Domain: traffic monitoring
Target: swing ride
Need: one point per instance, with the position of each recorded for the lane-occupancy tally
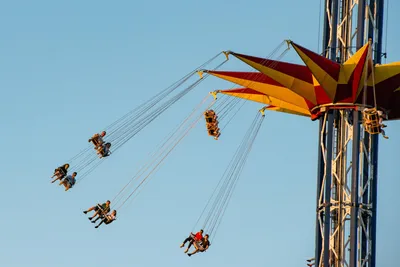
(335, 89)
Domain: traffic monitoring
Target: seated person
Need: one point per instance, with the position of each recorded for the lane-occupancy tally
(213, 131)
(69, 181)
(97, 139)
(202, 246)
(104, 150)
(99, 210)
(209, 112)
(60, 172)
(210, 116)
(107, 219)
(192, 238)
(382, 116)
(383, 133)
(212, 125)
(371, 124)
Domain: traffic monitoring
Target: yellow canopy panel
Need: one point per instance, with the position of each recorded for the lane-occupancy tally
(275, 104)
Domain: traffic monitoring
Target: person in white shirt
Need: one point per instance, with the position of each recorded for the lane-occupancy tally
(109, 218)
(69, 181)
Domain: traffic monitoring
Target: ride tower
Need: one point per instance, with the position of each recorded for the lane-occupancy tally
(347, 155)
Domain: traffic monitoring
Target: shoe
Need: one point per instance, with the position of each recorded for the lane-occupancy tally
(186, 250)
(93, 221)
(96, 226)
(189, 254)
(90, 218)
(85, 212)
(182, 245)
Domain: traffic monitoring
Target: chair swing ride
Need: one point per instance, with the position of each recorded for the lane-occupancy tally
(307, 90)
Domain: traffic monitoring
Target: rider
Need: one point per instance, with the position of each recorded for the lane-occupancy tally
(104, 150)
(60, 172)
(99, 210)
(369, 123)
(69, 181)
(203, 246)
(192, 238)
(382, 116)
(97, 139)
(108, 218)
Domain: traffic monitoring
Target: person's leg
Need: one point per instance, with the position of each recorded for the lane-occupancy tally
(96, 219)
(190, 244)
(57, 178)
(55, 174)
(194, 252)
(90, 209)
(97, 226)
(94, 215)
(67, 186)
(384, 135)
(186, 240)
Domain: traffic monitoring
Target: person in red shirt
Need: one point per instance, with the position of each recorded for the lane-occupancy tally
(193, 238)
(202, 246)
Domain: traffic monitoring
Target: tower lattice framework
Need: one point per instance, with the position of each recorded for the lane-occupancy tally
(347, 155)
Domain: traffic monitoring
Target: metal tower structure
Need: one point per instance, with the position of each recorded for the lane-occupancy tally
(348, 156)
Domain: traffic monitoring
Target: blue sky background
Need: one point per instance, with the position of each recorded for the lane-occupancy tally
(70, 68)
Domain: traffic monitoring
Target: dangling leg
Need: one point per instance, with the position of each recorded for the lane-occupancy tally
(194, 252)
(90, 209)
(186, 240)
(99, 217)
(384, 135)
(57, 178)
(97, 226)
(190, 244)
(67, 186)
(94, 215)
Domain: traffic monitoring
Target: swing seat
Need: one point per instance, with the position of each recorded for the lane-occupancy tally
(213, 132)
(96, 140)
(210, 119)
(198, 246)
(371, 121)
(212, 125)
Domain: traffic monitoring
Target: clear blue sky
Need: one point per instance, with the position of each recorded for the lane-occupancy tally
(70, 68)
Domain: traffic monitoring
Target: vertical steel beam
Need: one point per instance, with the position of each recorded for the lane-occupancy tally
(328, 181)
(374, 194)
(335, 5)
(360, 23)
(380, 5)
(354, 227)
(354, 190)
(327, 30)
(365, 176)
(320, 178)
